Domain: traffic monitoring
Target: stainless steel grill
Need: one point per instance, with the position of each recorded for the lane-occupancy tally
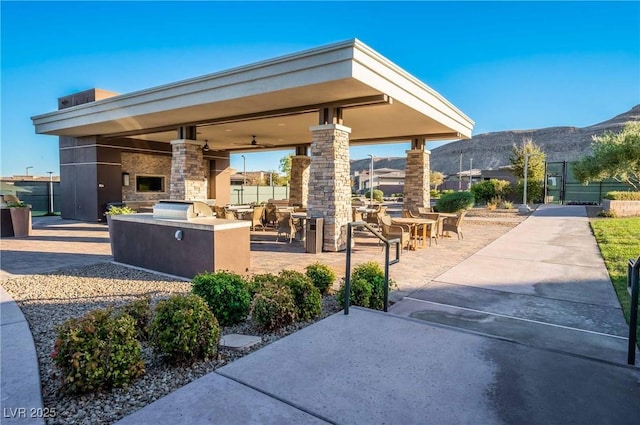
(181, 210)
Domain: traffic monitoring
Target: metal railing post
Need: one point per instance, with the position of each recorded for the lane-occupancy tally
(387, 263)
(633, 276)
(347, 275)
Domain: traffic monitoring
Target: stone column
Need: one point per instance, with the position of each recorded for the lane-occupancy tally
(330, 191)
(416, 181)
(187, 170)
(299, 184)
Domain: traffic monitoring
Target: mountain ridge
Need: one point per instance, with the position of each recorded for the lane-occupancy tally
(492, 150)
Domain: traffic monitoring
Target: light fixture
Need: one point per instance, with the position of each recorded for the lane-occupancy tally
(125, 179)
(205, 148)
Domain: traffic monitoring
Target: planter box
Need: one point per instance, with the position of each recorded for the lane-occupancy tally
(622, 208)
(21, 220)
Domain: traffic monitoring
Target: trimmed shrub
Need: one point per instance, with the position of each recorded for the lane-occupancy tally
(226, 293)
(377, 195)
(258, 282)
(322, 276)
(434, 193)
(273, 308)
(98, 351)
(454, 202)
(306, 297)
(372, 273)
(623, 196)
(360, 293)
(184, 329)
(487, 190)
(140, 312)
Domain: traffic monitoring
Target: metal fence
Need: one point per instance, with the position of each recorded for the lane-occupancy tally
(248, 194)
(38, 196)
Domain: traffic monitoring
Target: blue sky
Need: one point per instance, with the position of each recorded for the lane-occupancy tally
(507, 65)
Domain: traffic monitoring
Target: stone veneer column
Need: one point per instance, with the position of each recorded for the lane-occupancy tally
(416, 181)
(187, 170)
(330, 191)
(299, 185)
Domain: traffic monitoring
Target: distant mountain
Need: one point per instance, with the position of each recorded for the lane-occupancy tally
(492, 150)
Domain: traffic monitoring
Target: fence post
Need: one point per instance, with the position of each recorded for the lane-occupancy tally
(633, 276)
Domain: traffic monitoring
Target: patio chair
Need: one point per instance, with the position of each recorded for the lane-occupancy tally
(286, 225)
(454, 224)
(432, 229)
(270, 216)
(357, 215)
(424, 210)
(391, 231)
(229, 215)
(256, 217)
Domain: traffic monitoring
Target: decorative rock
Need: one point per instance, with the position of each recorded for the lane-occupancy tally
(238, 341)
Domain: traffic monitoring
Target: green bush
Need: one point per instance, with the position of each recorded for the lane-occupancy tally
(535, 189)
(447, 191)
(306, 297)
(377, 195)
(140, 312)
(113, 210)
(607, 214)
(258, 282)
(367, 286)
(322, 276)
(184, 329)
(434, 193)
(98, 351)
(226, 293)
(486, 190)
(454, 202)
(623, 196)
(360, 293)
(273, 307)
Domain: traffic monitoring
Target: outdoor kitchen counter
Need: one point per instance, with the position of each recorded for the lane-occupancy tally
(180, 247)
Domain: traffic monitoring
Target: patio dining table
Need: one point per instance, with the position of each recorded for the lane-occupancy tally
(414, 223)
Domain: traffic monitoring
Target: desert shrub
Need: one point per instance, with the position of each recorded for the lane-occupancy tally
(493, 204)
(507, 205)
(98, 351)
(226, 293)
(184, 329)
(447, 191)
(322, 276)
(115, 210)
(454, 202)
(434, 193)
(273, 307)
(360, 293)
(607, 214)
(258, 281)
(377, 195)
(623, 196)
(306, 297)
(486, 190)
(140, 312)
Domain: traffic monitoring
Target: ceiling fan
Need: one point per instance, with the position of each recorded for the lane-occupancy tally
(255, 143)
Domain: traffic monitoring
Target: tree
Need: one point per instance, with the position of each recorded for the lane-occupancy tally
(535, 163)
(436, 178)
(285, 166)
(615, 156)
(535, 158)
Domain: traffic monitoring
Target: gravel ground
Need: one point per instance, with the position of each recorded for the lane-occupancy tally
(51, 299)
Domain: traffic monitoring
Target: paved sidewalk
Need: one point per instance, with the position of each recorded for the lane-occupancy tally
(374, 368)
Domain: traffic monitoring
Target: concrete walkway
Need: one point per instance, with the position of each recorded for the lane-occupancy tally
(526, 331)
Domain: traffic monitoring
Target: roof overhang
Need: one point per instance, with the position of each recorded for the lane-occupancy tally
(277, 100)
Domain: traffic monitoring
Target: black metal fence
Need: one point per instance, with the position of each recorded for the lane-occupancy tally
(39, 196)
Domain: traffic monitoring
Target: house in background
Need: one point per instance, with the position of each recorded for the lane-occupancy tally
(388, 180)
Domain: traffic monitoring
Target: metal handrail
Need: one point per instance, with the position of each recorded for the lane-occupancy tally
(633, 278)
(387, 263)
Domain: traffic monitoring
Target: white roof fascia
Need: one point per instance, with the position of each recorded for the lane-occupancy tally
(324, 64)
(383, 75)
